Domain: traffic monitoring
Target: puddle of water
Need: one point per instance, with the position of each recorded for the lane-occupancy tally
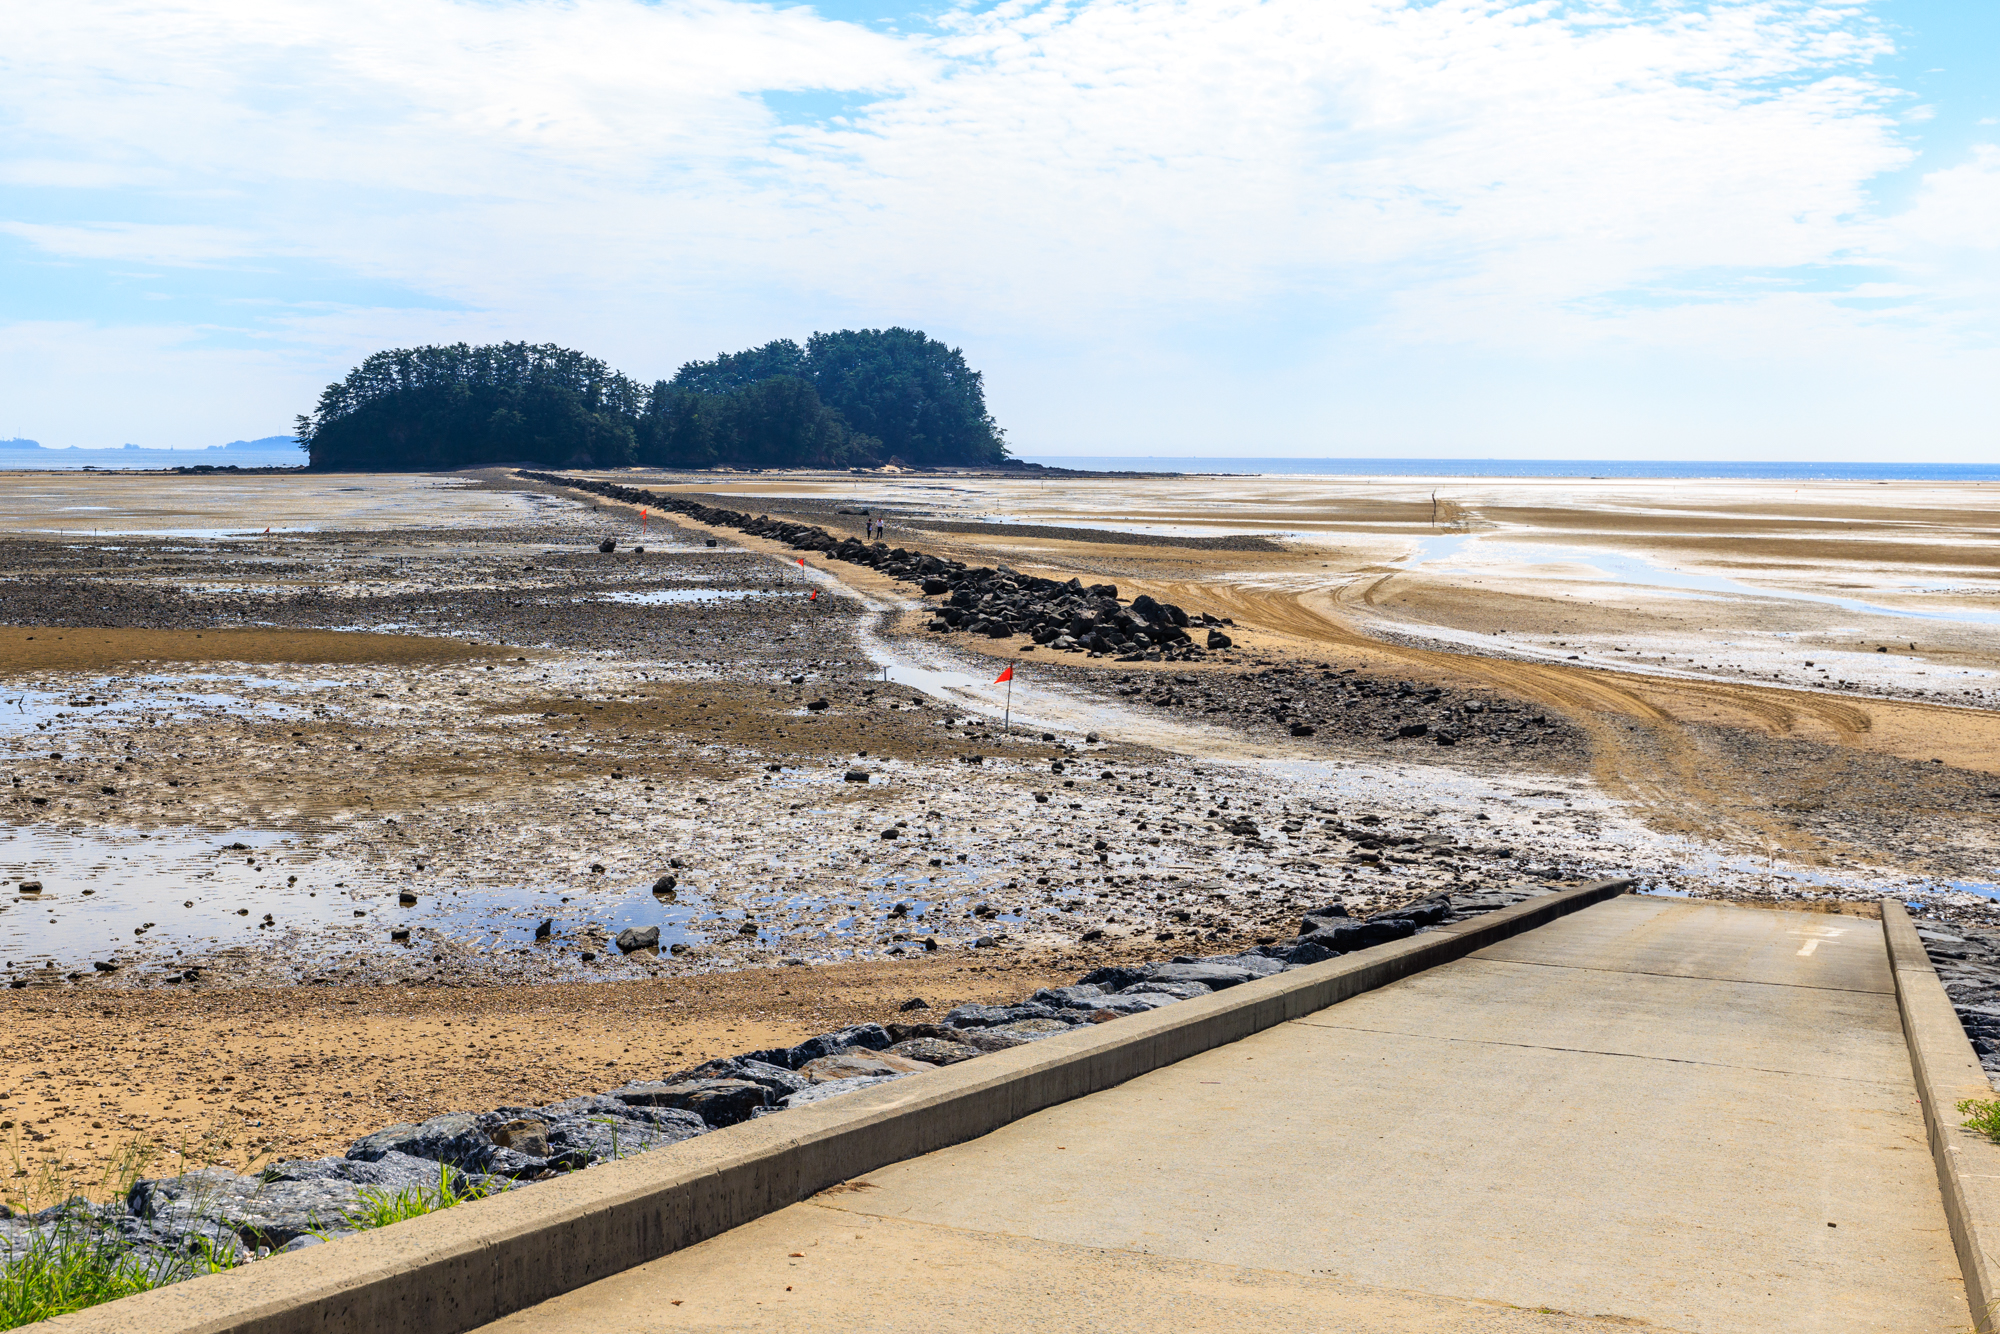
(198, 534)
(659, 596)
(1642, 573)
(160, 696)
(186, 891)
(104, 896)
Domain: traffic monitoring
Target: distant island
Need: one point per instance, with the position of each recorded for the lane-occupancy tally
(856, 398)
(272, 451)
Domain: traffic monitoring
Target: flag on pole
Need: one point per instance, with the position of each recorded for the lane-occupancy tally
(813, 596)
(802, 562)
(1007, 675)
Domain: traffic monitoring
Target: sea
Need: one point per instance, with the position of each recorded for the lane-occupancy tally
(269, 454)
(1772, 470)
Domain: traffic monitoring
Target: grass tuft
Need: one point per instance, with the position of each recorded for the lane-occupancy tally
(379, 1208)
(1983, 1115)
(72, 1268)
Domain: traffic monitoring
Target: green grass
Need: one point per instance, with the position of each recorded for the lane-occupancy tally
(379, 1208)
(1982, 1115)
(72, 1269)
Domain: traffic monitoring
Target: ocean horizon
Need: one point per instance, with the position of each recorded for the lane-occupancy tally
(1687, 469)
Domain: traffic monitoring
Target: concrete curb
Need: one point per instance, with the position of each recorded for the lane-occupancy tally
(1947, 1070)
(465, 1267)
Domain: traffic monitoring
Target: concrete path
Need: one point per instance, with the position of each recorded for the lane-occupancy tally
(1652, 1114)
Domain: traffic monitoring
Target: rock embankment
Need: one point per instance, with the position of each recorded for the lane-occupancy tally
(1312, 699)
(180, 1224)
(994, 601)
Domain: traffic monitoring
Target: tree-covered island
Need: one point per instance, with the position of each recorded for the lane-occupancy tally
(856, 398)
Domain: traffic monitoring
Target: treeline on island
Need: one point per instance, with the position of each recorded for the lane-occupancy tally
(856, 398)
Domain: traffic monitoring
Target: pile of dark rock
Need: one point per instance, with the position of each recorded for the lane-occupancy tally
(995, 601)
(180, 1223)
(1308, 698)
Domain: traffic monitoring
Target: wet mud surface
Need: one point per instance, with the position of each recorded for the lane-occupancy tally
(434, 769)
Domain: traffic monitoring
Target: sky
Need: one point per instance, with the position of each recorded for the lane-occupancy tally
(1740, 229)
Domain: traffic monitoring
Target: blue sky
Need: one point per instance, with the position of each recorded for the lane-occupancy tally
(1735, 229)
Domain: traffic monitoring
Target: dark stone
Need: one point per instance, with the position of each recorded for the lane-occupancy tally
(454, 1138)
(607, 546)
(991, 1016)
(1345, 937)
(664, 887)
(816, 705)
(718, 1102)
(857, 776)
(874, 1037)
(258, 1212)
(934, 1051)
(1216, 639)
(914, 1003)
(638, 938)
(1413, 729)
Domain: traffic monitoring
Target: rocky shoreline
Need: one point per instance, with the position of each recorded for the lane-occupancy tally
(190, 1222)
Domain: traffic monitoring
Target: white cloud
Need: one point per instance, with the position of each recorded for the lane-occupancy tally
(1464, 177)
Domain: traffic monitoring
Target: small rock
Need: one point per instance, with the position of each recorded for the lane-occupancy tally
(607, 546)
(857, 776)
(545, 928)
(1216, 639)
(817, 705)
(400, 933)
(407, 897)
(31, 886)
(523, 1136)
(664, 887)
(638, 938)
(914, 1003)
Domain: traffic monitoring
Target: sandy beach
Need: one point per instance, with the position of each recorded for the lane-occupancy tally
(425, 748)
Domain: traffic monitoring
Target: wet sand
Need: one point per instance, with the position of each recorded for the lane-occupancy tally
(434, 716)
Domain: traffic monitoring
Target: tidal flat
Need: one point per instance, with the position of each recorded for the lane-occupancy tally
(313, 829)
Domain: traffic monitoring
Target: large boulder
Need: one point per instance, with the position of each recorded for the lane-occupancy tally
(198, 1205)
(934, 1051)
(856, 1065)
(1344, 937)
(455, 1138)
(718, 1102)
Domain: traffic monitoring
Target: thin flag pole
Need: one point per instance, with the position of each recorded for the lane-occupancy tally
(1007, 718)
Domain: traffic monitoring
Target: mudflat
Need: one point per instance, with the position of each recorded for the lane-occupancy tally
(425, 747)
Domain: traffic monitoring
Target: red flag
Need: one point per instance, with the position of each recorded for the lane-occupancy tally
(813, 596)
(1007, 675)
(802, 562)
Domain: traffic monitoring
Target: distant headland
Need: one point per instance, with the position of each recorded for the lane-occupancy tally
(855, 398)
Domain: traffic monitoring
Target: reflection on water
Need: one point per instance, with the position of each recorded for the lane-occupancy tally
(1638, 572)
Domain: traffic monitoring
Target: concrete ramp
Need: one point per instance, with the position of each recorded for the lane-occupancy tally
(1649, 1114)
